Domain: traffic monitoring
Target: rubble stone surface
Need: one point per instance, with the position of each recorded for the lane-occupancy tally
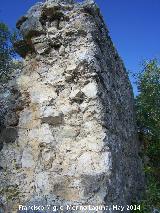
(68, 134)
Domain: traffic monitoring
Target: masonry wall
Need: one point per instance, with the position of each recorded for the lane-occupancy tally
(68, 134)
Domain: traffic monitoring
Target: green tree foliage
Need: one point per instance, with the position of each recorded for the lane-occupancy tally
(148, 120)
(7, 53)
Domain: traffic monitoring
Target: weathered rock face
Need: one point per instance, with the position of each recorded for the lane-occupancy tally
(68, 135)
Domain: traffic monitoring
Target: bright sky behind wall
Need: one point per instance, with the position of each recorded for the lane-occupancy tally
(133, 25)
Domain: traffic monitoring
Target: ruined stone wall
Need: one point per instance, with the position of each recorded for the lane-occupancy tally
(68, 132)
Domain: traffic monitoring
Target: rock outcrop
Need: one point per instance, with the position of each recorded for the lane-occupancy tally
(68, 134)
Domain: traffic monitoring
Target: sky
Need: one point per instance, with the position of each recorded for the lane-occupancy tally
(133, 26)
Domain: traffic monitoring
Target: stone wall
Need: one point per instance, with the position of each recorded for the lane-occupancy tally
(68, 134)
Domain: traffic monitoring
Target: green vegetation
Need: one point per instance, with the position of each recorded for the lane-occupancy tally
(148, 120)
(7, 53)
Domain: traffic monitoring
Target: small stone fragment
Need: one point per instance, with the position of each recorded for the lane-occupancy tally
(90, 90)
(31, 27)
(52, 117)
(76, 95)
(27, 159)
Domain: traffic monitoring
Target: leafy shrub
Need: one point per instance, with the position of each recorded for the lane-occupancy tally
(7, 53)
(148, 120)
